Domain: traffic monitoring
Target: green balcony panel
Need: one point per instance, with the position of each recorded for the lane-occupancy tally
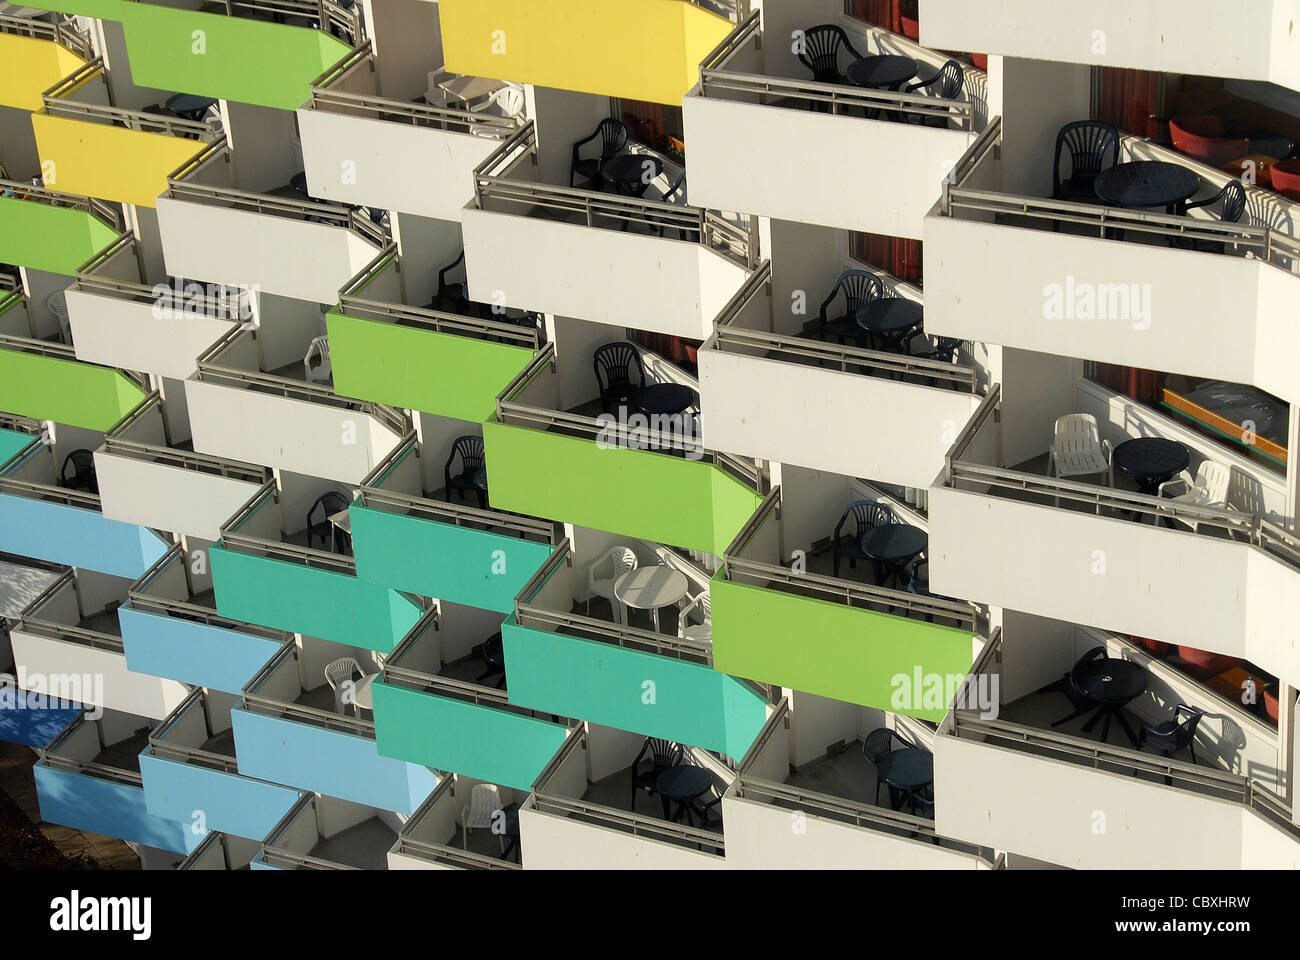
(834, 650)
(45, 237)
(642, 692)
(476, 741)
(420, 369)
(636, 493)
(65, 391)
(309, 600)
(99, 9)
(11, 441)
(235, 58)
(473, 567)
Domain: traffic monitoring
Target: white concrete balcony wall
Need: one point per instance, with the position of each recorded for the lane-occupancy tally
(1199, 37)
(392, 166)
(280, 254)
(315, 439)
(992, 283)
(553, 842)
(166, 497)
(646, 282)
(132, 335)
(814, 417)
(872, 176)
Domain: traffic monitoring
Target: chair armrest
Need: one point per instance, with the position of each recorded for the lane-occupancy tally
(1184, 479)
(821, 314)
(1203, 203)
(838, 526)
(1107, 449)
(686, 610)
(926, 84)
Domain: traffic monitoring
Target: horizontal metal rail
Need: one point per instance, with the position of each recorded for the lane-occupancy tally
(182, 610)
(60, 33)
(89, 768)
(57, 104)
(45, 491)
(461, 690)
(440, 853)
(289, 552)
(437, 321)
(614, 634)
(70, 634)
(60, 351)
(634, 823)
(457, 514)
(282, 709)
(198, 462)
(288, 860)
(22, 190)
(842, 98)
(326, 13)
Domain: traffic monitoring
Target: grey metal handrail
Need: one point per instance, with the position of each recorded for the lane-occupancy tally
(227, 305)
(440, 853)
(60, 32)
(57, 104)
(138, 598)
(110, 215)
(990, 406)
(457, 514)
(257, 703)
(634, 823)
(326, 12)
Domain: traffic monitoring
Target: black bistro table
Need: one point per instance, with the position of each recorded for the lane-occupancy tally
(907, 771)
(510, 814)
(682, 784)
(662, 399)
(890, 318)
(895, 545)
(881, 72)
(189, 105)
(1112, 683)
(632, 173)
(1150, 460)
(1147, 183)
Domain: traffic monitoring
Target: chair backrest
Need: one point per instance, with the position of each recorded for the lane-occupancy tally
(1093, 146)
(318, 349)
(877, 743)
(859, 286)
(470, 450)
(865, 515)
(484, 801)
(623, 560)
(1233, 196)
(666, 753)
(1077, 440)
(330, 502)
(821, 49)
(509, 100)
(83, 465)
(1212, 480)
(615, 363)
(612, 135)
(341, 670)
(949, 80)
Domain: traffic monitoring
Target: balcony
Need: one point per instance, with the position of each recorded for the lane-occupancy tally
(655, 481)
(288, 729)
(171, 628)
(807, 629)
(1215, 578)
(430, 709)
(1098, 805)
(281, 242)
(414, 157)
(647, 51)
(44, 381)
(89, 778)
(420, 357)
(324, 833)
(253, 399)
(434, 839)
(39, 517)
(928, 400)
(1195, 38)
(576, 817)
(248, 56)
(70, 636)
(523, 236)
(191, 774)
(37, 55)
(634, 678)
(870, 160)
(221, 851)
(51, 231)
(265, 575)
(1051, 276)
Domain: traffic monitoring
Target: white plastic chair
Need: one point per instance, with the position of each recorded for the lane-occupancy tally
(484, 801)
(509, 102)
(702, 631)
(323, 372)
(1208, 489)
(58, 304)
(1077, 449)
(337, 674)
(618, 561)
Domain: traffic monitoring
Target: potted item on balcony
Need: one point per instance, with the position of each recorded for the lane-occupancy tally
(1157, 647)
(1270, 704)
(1203, 663)
(980, 60)
(1285, 176)
(1198, 135)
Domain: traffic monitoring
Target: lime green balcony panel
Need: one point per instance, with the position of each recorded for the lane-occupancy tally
(45, 237)
(637, 493)
(65, 391)
(421, 369)
(235, 58)
(837, 651)
(461, 737)
(99, 9)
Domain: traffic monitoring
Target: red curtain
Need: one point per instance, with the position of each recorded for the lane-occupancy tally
(899, 256)
(1145, 386)
(645, 122)
(1130, 99)
(883, 13)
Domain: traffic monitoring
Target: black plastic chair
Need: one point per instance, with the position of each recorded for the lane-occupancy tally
(859, 287)
(1081, 702)
(453, 297)
(613, 138)
(665, 755)
(1093, 147)
(676, 193)
(865, 515)
(83, 472)
(472, 460)
(949, 82)
(875, 745)
(493, 653)
(620, 375)
(1170, 736)
(1233, 206)
(821, 52)
(330, 503)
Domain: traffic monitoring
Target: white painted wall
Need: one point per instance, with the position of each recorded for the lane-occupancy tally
(551, 842)
(166, 497)
(138, 336)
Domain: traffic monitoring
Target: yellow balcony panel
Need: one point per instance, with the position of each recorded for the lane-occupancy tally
(29, 66)
(637, 49)
(108, 161)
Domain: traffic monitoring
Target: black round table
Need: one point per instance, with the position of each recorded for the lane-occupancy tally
(1147, 183)
(511, 815)
(661, 399)
(632, 173)
(682, 784)
(191, 106)
(894, 545)
(892, 318)
(881, 71)
(1150, 460)
(906, 770)
(1111, 683)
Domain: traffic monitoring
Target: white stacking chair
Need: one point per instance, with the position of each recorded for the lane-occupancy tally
(484, 801)
(702, 631)
(508, 101)
(337, 674)
(604, 573)
(319, 350)
(1208, 489)
(1078, 450)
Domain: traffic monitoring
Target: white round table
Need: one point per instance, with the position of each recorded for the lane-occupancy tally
(649, 588)
(361, 695)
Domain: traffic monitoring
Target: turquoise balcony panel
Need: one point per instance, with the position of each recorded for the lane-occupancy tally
(203, 799)
(195, 653)
(477, 568)
(11, 441)
(309, 600)
(32, 719)
(645, 693)
(331, 762)
(89, 803)
(76, 536)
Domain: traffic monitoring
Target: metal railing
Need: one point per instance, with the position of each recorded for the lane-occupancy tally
(457, 514)
(111, 215)
(710, 844)
(440, 853)
(325, 13)
(493, 182)
(265, 706)
(114, 443)
(278, 549)
(101, 771)
(716, 78)
(284, 859)
(60, 32)
(228, 304)
(186, 754)
(138, 598)
(57, 104)
(401, 111)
